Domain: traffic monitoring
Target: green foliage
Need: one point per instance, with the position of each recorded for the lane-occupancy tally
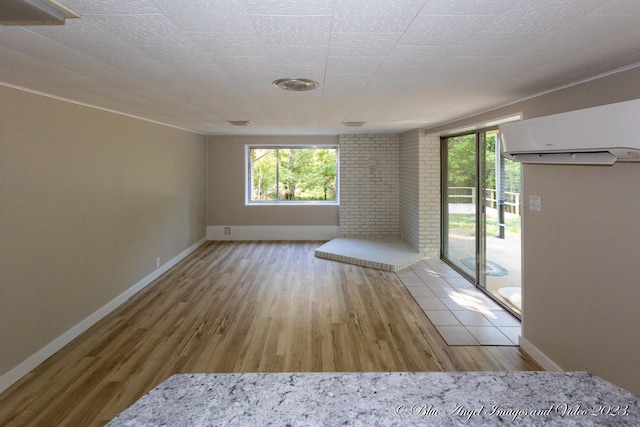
(263, 173)
(461, 172)
(511, 169)
(461, 163)
(293, 174)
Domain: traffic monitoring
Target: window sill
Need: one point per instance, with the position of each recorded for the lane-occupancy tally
(292, 203)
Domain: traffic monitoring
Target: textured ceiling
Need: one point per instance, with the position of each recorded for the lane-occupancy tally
(394, 64)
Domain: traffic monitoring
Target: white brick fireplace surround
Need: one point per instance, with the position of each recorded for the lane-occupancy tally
(390, 186)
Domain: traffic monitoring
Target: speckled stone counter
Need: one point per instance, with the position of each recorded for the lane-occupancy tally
(384, 399)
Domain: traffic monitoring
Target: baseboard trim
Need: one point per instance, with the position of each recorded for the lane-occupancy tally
(14, 375)
(273, 232)
(537, 355)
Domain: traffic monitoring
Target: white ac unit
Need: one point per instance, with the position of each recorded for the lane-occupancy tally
(599, 135)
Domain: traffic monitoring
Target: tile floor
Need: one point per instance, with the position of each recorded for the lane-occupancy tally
(462, 314)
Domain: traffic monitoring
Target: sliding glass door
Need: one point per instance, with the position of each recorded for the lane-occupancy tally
(502, 226)
(481, 215)
(460, 184)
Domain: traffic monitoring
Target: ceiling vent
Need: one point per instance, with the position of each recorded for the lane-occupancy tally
(353, 124)
(34, 12)
(296, 85)
(241, 122)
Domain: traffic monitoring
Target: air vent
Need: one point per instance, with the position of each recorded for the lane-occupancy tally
(353, 124)
(241, 122)
(296, 85)
(34, 12)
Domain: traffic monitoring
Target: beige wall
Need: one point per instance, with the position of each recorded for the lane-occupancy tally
(580, 289)
(88, 200)
(226, 186)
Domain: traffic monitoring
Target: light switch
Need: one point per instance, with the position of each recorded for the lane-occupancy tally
(535, 203)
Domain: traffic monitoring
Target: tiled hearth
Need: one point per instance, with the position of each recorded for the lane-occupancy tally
(385, 253)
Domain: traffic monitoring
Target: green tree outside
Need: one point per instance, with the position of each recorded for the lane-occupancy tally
(293, 174)
(462, 165)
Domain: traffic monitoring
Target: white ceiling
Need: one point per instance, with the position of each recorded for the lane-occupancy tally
(394, 64)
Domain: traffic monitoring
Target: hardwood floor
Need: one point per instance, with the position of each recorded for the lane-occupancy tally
(242, 307)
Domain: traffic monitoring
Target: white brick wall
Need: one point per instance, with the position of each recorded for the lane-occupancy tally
(410, 188)
(419, 202)
(399, 197)
(369, 196)
(430, 199)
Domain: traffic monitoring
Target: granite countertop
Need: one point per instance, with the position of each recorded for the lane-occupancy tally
(384, 399)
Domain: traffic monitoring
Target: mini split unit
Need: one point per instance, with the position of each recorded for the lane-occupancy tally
(34, 12)
(593, 136)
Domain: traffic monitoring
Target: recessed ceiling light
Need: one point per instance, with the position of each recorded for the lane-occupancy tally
(353, 124)
(295, 84)
(241, 122)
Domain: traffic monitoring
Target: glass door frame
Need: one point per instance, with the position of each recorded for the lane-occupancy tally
(444, 162)
(479, 280)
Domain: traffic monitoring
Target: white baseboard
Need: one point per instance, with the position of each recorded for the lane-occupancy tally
(11, 377)
(537, 355)
(267, 232)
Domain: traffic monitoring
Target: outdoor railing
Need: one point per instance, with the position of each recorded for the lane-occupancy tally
(468, 195)
(511, 201)
(462, 195)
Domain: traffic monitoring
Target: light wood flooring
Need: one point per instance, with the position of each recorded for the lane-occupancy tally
(242, 307)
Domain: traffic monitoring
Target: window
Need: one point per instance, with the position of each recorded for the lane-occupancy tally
(292, 174)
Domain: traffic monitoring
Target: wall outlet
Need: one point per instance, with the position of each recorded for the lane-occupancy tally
(157, 262)
(227, 231)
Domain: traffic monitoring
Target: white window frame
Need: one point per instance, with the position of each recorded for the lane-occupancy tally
(248, 183)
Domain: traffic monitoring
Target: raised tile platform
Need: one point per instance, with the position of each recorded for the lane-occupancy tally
(389, 399)
(385, 253)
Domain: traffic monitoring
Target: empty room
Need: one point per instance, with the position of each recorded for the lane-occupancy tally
(380, 212)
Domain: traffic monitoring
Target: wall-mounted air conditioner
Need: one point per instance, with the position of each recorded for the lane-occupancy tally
(599, 135)
(34, 12)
